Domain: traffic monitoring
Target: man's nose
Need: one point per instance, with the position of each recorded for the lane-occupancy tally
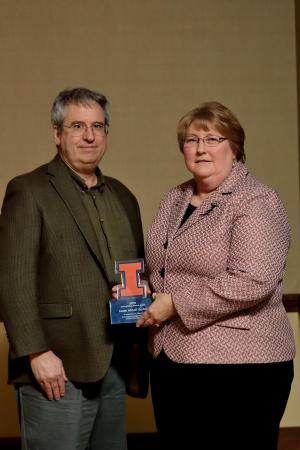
(88, 134)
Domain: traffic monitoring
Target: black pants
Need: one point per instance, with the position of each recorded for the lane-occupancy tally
(216, 406)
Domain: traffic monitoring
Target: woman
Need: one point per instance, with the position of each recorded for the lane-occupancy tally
(222, 344)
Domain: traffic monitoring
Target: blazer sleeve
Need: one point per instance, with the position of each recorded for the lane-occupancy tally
(20, 233)
(256, 261)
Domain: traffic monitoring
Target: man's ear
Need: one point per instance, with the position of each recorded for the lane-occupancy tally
(56, 135)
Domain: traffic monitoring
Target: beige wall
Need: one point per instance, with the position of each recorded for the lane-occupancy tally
(155, 60)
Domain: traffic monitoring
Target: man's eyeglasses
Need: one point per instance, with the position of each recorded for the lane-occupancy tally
(78, 128)
(210, 141)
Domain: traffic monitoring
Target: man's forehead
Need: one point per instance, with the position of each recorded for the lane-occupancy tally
(78, 110)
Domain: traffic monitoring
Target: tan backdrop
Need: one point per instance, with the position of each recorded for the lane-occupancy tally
(155, 60)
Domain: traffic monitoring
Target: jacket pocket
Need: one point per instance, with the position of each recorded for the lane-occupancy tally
(55, 310)
(241, 322)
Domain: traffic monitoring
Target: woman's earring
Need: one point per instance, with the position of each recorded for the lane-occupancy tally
(233, 163)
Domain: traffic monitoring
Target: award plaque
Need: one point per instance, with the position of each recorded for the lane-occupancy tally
(132, 298)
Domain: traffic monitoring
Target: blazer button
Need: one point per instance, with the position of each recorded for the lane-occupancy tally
(162, 272)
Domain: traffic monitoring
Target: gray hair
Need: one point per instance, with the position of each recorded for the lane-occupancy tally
(77, 96)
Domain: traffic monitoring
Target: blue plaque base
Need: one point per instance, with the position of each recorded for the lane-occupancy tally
(128, 310)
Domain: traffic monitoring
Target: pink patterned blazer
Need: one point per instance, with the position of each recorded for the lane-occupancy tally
(224, 269)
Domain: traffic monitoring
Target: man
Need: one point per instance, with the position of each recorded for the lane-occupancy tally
(61, 229)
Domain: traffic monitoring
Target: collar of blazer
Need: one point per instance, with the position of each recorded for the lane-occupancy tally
(64, 185)
(214, 200)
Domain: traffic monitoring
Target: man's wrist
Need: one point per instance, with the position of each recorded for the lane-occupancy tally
(31, 356)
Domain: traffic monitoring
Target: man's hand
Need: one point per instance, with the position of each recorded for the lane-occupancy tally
(49, 372)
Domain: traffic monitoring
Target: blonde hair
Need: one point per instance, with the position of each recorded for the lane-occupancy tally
(216, 115)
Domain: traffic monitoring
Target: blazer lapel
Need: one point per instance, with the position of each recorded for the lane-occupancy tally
(63, 184)
(178, 209)
(204, 210)
(214, 200)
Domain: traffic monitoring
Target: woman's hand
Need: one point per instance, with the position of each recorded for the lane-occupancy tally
(159, 311)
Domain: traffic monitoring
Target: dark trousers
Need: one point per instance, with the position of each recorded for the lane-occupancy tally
(216, 406)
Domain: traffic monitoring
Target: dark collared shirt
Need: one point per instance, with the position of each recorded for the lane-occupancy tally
(108, 219)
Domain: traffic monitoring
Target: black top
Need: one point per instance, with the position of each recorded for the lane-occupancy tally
(189, 211)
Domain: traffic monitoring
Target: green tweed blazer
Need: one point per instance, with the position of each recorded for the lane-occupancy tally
(54, 287)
